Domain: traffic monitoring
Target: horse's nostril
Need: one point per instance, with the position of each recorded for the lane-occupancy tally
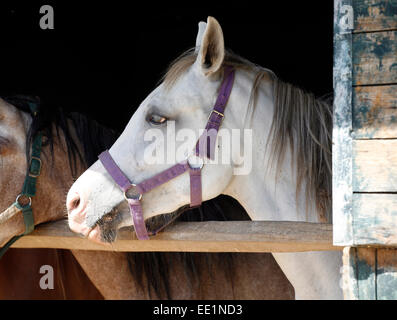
(73, 203)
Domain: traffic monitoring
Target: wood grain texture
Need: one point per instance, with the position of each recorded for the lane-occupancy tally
(375, 165)
(342, 125)
(375, 15)
(374, 58)
(370, 273)
(211, 236)
(375, 112)
(359, 273)
(349, 282)
(375, 219)
(386, 274)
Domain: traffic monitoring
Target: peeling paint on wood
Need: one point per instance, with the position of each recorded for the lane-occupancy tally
(365, 268)
(369, 273)
(365, 165)
(375, 219)
(375, 15)
(349, 277)
(375, 112)
(342, 125)
(375, 166)
(374, 58)
(386, 274)
(359, 273)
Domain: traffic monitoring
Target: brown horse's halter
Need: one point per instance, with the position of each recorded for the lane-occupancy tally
(205, 147)
(23, 202)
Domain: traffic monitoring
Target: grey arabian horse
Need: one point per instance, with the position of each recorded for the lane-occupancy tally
(289, 176)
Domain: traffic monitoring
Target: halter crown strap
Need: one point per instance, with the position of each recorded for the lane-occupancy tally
(29, 186)
(205, 146)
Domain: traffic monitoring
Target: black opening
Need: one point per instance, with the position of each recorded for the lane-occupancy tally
(103, 59)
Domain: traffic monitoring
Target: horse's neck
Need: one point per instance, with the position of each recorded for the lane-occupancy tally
(314, 275)
(264, 195)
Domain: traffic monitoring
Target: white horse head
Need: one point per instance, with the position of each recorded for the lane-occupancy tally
(183, 102)
(288, 131)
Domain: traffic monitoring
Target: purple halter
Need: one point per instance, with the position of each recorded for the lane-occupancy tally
(205, 147)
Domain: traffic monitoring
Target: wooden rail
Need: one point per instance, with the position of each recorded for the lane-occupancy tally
(210, 236)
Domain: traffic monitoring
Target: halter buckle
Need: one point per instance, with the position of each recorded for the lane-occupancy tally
(31, 174)
(217, 112)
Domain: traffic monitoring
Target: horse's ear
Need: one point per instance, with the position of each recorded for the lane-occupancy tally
(212, 48)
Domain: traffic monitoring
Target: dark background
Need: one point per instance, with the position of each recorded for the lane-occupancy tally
(103, 59)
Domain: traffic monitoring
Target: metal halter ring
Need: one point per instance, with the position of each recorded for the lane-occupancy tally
(130, 194)
(195, 162)
(24, 195)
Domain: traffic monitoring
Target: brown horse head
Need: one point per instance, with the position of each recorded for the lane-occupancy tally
(63, 138)
(14, 125)
(16, 133)
(63, 158)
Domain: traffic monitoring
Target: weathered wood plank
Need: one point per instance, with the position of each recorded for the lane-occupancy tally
(370, 273)
(359, 273)
(375, 112)
(375, 15)
(365, 267)
(374, 58)
(349, 274)
(386, 274)
(342, 123)
(211, 236)
(375, 165)
(375, 219)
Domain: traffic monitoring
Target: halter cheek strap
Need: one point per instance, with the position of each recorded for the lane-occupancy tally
(205, 147)
(28, 190)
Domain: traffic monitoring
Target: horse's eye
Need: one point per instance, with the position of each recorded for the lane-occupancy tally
(156, 119)
(3, 144)
(4, 141)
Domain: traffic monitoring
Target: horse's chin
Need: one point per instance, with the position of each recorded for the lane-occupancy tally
(4, 240)
(158, 222)
(118, 219)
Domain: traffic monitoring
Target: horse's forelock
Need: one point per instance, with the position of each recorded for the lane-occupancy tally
(178, 67)
(181, 64)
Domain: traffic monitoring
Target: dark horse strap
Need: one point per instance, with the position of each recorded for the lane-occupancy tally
(23, 201)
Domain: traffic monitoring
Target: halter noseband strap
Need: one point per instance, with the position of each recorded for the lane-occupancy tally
(205, 147)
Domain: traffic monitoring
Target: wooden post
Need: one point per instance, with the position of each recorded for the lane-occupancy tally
(370, 273)
(365, 146)
(342, 145)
